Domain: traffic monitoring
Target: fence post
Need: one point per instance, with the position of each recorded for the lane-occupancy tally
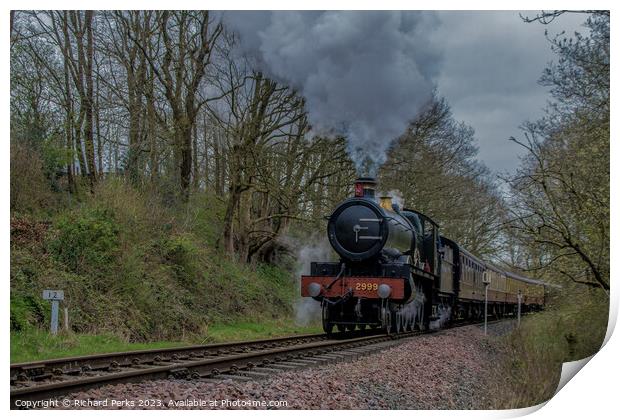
(519, 297)
(66, 320)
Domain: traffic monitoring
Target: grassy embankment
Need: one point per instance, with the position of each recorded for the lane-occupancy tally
(571, 328)
(138, 274)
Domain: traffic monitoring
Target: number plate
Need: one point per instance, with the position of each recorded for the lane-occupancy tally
(370, 287)
(53, 295)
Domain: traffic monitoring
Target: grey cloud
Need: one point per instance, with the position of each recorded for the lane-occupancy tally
(492, 64)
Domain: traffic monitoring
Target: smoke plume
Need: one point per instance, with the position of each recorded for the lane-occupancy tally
(364, 75)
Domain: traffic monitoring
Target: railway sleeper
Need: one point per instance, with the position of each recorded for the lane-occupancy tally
(285, 366)
(73, 372)
(291, 363)
(42, 377)
(257, 375)
(313, 360)
(330, 357)
(274, 369)
(348, 353)
(181, 373)
(234, 377)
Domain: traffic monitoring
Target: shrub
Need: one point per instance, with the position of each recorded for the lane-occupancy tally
(86, 239)
(180, 253)
(29, 188)
(571, 328)
(26, 311)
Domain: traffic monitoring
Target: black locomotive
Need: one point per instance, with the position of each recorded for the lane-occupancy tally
(397, 273)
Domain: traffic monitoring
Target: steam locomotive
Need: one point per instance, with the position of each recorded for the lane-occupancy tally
(397, 273)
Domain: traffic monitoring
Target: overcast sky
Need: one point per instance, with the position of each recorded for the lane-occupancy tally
(371, 72)
(491, 64)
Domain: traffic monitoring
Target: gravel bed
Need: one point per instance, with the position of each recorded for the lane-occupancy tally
(452, 369)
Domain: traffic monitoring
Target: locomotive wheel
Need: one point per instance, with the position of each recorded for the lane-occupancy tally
(341, 327)
(350, 327)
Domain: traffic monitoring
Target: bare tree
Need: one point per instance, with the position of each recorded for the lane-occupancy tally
(560, 196)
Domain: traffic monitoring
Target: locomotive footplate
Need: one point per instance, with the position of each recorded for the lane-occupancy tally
(357, 286)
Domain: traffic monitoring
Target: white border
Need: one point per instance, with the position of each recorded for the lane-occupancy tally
(592, 394)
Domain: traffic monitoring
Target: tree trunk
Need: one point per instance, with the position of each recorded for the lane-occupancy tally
(88, 100)
(217, 177)
(98, 132)
(195, 173)
(227, 234)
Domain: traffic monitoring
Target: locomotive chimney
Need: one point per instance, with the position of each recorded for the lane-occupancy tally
(365, 187)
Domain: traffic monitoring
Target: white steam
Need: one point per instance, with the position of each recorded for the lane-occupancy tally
(445, 313)
(413, 312)
(397, 198)
(308, 310)
(364, 75)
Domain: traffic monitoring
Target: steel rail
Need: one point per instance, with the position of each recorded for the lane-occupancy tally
(106, 360)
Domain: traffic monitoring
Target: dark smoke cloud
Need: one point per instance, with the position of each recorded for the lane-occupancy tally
(363, 74)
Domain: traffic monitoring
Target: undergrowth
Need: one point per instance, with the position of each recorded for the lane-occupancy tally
(137, 269)
(572, 327)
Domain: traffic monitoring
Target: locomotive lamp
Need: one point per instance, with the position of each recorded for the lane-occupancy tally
(314, 289)
(384, 291)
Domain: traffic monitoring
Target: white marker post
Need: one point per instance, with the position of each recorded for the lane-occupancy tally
(55, 296)
(487, 282)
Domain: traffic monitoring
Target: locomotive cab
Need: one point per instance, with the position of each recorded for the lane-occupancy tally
(429, 239)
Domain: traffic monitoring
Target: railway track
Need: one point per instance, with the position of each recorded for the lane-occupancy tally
(37, 371)
(48, 379)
